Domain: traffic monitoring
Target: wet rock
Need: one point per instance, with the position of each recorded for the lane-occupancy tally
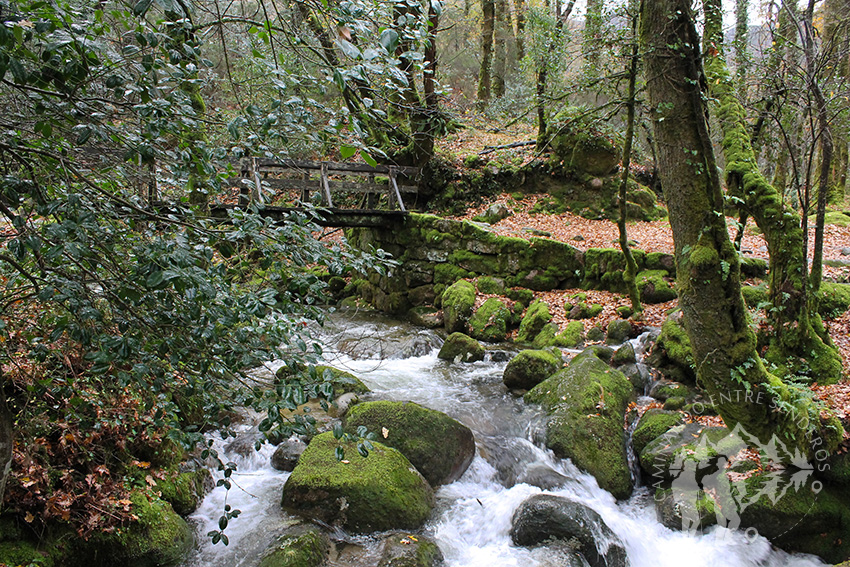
(425, 316)
(638, 375)
(490, 321)
(542, 476)
(359, 494)
(458, 302)
(623, 355)
(285, 457)
(302, 545)
(440, 447)
(653, 424)
(414, 346)
(529, 368)
(586, 402)
(536, 317)
(619, 331)
(404, 550)
(462, 348)
(544, 516)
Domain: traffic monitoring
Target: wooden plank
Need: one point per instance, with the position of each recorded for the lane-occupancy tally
(333, 166)
(335, 186)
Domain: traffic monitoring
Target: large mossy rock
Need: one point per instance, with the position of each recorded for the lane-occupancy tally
(184, 491)
(404, 550)
(302, 545)
(653, 424)
(536, 317)
(341, 381)
(440, 447)
(530, 367)
(672, 353)
(157, 538)
(655, 286)
(587, 402)
(458, 303)
(360, 494)
(490, 321)
(544, 517)
(580, 146)
(462, 348)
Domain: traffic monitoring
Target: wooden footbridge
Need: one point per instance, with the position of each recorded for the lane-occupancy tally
(349, 194)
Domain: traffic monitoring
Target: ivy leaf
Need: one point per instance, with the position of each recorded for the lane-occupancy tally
(389, 40)
(141, 7)
(347, 151)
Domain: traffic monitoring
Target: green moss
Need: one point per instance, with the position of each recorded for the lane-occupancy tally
(624, 311)
(595, 334)
(458, 302)
(520, 295)
(529, 368)
(402, 551)
(184, 491)
(571, 336)
(703, 256)
(619, 331)
(446, 273)
(14, 553)
(653, 424)
(440, 447)
(490, 321)
(753, 267)
(835, 218)
(302, 546)
(587, 401)
(490, 285)
(461, 347)
(654, 287)
(157, 538)
(546, 337)
(380, 492)
(677, 352)
(661, 261)
(675, 403)
(582, 310)
(833, 299)
(755, 296)
(536, 317)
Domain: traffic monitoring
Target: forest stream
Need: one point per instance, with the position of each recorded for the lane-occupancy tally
(472, 518)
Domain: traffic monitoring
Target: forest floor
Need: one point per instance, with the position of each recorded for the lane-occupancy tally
(653, 236)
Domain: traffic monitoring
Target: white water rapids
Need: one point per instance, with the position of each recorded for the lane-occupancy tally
(472, 518)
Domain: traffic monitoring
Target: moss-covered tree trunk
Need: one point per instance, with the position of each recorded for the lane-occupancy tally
(708, 267)
(797, 339)
(519, 9)
(6, 440)
(488, 8)
(592, 36)
(631, 266)
(500, 59)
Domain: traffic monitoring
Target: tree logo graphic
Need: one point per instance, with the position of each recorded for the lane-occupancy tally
(708, 487)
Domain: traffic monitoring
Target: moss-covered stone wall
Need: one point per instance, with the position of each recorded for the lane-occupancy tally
(434, 252)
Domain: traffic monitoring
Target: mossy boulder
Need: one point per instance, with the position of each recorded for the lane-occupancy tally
(625, 354)
(672, 354)
(665, 389)
(595, 334)
(580, 146)
(583, 310)
(458, 302)
(833, 299)
(440, 447)
(184, 491)
(404, 550)
(17, 549)
(653, 424)
(619, 331)
(490, 321)
(529, 368)
(460, 347)
(571, 336)
(340, 381)
(157, 538)
(302, 545)
(490, 285)
(536, 317)
(587, 402)
(360, 494)
(655, 286)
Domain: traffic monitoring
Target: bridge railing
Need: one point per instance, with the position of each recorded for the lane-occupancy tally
(329, 179)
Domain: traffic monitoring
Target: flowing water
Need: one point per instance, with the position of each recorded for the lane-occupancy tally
(472, 518)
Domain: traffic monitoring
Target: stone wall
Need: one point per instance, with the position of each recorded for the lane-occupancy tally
(434, 252)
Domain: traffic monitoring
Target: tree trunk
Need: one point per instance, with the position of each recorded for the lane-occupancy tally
(519, 8)
(543, 71)
(797, 340)
(742, 38)
(500, 62)
(488, 8)
(6, 441)
(708, 268)
(631, 266)
(592, 37)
